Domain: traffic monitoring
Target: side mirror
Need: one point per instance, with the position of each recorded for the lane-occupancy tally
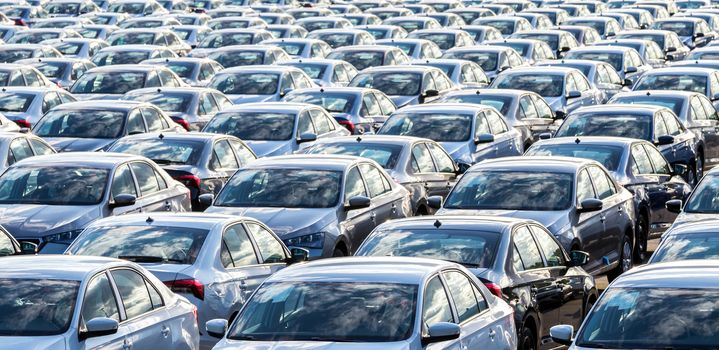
(560, 115)
(589, 205)
(574, 94)
(579, 258)
(545, 136)
(98, 327)
(631, 70)
(462, 168)
(206, 199)
(285, 92)
(307, 137)
(664, 140)
(564, 49)
(680, 170)
(627, 82)
(483, 138)
(674, 205)
(434, 202)
(24, 130)
(28, 248)
(671, 49)
(562, 334)
(699, 35)
(611, 34)
(358, 202)
(298, 255)
(216, 328)
(122, 200)
(503, 68)
(431, 93)
(715, 96)
(669, 57)
(441, 331)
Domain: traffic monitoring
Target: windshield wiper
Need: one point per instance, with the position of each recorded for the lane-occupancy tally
(241, 337)
(147, 259)
(168, 162)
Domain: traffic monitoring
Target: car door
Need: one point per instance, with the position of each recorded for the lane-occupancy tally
(612, 212)
(479, 328)
(238, 257)
(505, 140)
(143, 315)
(684, 146)
(590, 225)
(99, 300)
(386, 204)
(710, 131)
(643, 172)
(154, 194)
(18, 150)
(358, 223)
(668, 186)
(436, 308)
(123, 182)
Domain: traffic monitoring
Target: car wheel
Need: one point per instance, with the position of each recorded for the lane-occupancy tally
(626, 261)
(528, 340)
(640, 249)
(338, 253)
(590, 305)
(699, 168)
(692, 175)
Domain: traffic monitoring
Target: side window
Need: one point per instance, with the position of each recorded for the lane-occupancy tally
(582, 83)
(49, 101)
(481, 127)
(16, 79)
(552, 251)
(673, 126)
(133, 292)
(206, 71)
(40, 148)
(243, 153)
(385, 104)
(31, 78)
(516, 259)
(527, 107)
(370, 105)
(354, 185)
(270, 248)
(285, 83)
(468, 75)
(602, 76)
(237, 250)
(496, 123)
(223, 157)
(146, 178)
(428, 83)
(304, 124)
(135, 125)
(340, 74)
(714, 81)
(152, 119)
(543, 109)
(99, 300)
(19, 150)
(527, 248)
(152, 80)
(698, 112)
(571, 83)
(421, 159)
(659, 127)
(442, 82)
(584, 187)
(444, 163)
(435, 306)
(602, 183)
(464, 302)
(660, 163)
(641, 163)
(207, 105)
(709, 109)
(122, 182)
(374, 178)
(321, 123)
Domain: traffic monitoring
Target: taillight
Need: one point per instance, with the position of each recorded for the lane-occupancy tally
(494, 289)
(184, 123)
(189, 180)
(348, 124)
(188, 286)
(23, 123)
(19, 22)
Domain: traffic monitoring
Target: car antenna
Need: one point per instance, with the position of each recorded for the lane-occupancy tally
(322, 89)
(577, 141)
(477, 92)
(649, 93)
(359, 139)
(149, 220)
(161, 136)
(437, 223)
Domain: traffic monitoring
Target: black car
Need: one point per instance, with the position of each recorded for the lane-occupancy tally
(516, 259)
(639, 167)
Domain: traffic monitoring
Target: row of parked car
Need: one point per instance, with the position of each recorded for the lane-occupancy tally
(483, 160)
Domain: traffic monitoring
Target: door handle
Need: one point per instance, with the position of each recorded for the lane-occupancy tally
(373, 216)
(127, 344)
(602, 218)
(165, 331)
(492, 334)
(168, 206)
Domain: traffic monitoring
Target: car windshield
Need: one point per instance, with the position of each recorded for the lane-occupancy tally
(313, 70)
(53, 185)
(142, 244)
(336, 40)
(320, 311)
(487, 60)
(512, 190)
(225, 39)
(333, 103)
(51, 69)
(246, 83)
(62, 8)
(440, 127)
(501, 103)
(253, 126)
(657, 38)
(81, 123)
(551, 39)
(69, 48)
(384, 155)
(444, 41)
(134, 8)
(284, 188)
(108, 83)
(133, 38)
(15, 102)
(521, 48)
(12, 55)
(546, 85)
(291, 48)
(34, 307)
(504, 27)
(162, 151)
(609, 156)
(238, 58)
(32, 38)
(681, 28)
(626, 318)
(166, 101)
(684, 82)
(690, 246)
(120, 57)
(676, 104)
(616, 60)
(391, 83)
(407, 48)
(359, 59)
(474, 249)
(618, 125)
(182, 69)
(705, 197)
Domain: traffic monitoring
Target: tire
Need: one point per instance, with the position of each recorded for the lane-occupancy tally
(640, 248)
(338, 253)
(588, 307)
(692, 175)
(699, 172)
(527, 340)
(626, 261)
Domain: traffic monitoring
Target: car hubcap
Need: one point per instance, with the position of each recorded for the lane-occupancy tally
(626, 257)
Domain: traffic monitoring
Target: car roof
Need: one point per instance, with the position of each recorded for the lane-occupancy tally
(493, 92)
(118, 105)
(135, 47)
(59, 267)
(704, 226)
(621, 108)
(592, 140)
(681, 71)
(373, 139)
(308, 161)
(533, 164)
(28, 89)
(445, 108)
(279, 107)
(104, 160)
(456, 222)
(258, 69)
(603, 48)
(380, 47)
(190, 136)
(124, 68)
(662, 93)
(547, 70)
(483, 48)
(400, 68)
(181, 219)
(571, 61)
(700, 274)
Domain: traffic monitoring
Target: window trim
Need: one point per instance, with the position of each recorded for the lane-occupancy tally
(452, 304)
(123, 319)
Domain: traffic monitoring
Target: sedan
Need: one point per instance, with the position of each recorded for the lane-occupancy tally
(227, 37)
(600, 74)
(652, 54)
(15, 147)
(516, 259)
(463, 73)
(326, 204)
(62, 71)
(702, 80)
(342, 37)
(199, 256)
(301, 47)
(692, 31)
(493, 59)
(193, 71)
(415, 49)
(406, 85)
(130, 54)
(72, 302)
(445, 38)
(15, 52)
(367, 56)
(111, 82)
(532, 51)
(248, 55)
(668, 41)
(26, 105)
(150, 36)
(507, 25)
(395, 303)
(626, 61)
(259, 83)
(325, 72)
(560, 41)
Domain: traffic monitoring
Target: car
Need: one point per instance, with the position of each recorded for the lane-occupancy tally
(463, 73)
(412, 23)
(504, 254)
(22, 75)
(323, 22)
(342, 37)
(366, 56)
(359, 110)
(600, 74)
(18, 146)
(694, 110)
(701, 205)
(8, 30)
(469, 14)
(390, 12)
(712, 19)
(10, 53)
(226, 37)
(61, 71)
(569, 196)
(110, 82)
(507, 25)
(92, 302)
(383, 31)
(137, 8)
(193, 18)
(26, 105)
(564, 89)
(191, 34)
(556, 15)
(532, 51)
(606, 26)
(646, 293)
(693, 32)
(248, 55)
(693, 241)
(193, 71)
(80, 188)
(236, 22)
(414, 48)
(95, 31)
(191, 108)
(301, 47)
(445, 38)
(625, 20)
(259, 83)
(328, 207)
(537, 20)
(208, 250)
(525, 111)
(696, 79)
(644, 18)
(574, 10)
(470, 133)
(149, 36)
(422, 166)
(493, 59)
(652, 54)
(406, 85)
(638, 166)
(585, 35)
(325, 72)
(414, 301)
(667, 40)
(202, 162)
(36, 36)
(60, 22)
(148, 22)
(625, 60)
(77, 47)
(279, 18)
(304, 12)
(130, 54)
(23, 14)
(106, 18)
(231, 11)
(559, 40)
(286, 31)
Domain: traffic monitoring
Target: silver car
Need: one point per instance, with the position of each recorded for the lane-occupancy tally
(215, 261)
(15, 147)
(74, 303)
(26, 105)
(371, 303)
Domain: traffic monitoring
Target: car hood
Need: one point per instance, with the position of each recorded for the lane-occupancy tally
(307, 345)
(687, 218)
(285, 222)
(86, 97)
(240, 99)
(71, 144)
(270, 148)
(552, 220)
(402, 101)
(36, 220)
(56, 342)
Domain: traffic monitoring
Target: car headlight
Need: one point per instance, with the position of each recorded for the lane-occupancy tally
(314, 240)
(67, 236)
